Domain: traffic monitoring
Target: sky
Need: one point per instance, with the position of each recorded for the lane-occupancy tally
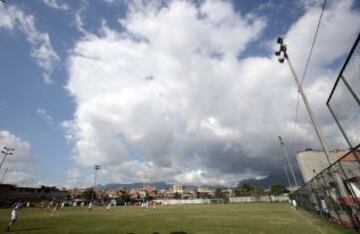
(184, 92)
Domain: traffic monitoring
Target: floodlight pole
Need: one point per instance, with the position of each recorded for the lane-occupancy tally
(287, 174)
(96, 167)
(7, 151)
(143, 192)
(3, 177)
(282, 52)
(288, 160)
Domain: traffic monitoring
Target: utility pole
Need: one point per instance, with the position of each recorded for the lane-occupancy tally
(96, 167)
(6, 152)
(288, 160)
(282, 54)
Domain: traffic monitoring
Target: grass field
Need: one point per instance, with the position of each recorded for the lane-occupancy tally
(187, 219)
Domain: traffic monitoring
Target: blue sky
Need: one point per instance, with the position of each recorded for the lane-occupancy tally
(87, 84)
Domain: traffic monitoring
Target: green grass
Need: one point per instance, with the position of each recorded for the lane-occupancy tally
(186, 219)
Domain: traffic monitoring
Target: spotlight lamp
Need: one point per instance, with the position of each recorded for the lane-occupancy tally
(281, 53)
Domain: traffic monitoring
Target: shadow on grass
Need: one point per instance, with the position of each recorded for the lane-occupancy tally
(28, 229)
(159, 233)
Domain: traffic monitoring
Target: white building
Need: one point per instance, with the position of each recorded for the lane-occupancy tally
(177, 188)
(311, 162)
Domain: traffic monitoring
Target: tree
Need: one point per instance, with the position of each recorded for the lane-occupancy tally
(277, 189)
(178, 195)
(219, 193)
(246, 188)
(258, 191)
(87, 194)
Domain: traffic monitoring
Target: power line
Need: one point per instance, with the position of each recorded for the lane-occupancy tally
(313, 43)
(306, 68)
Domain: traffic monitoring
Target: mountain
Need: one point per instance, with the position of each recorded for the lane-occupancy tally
(158, 185)
(272, 178)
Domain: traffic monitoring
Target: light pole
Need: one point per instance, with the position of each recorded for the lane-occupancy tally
(7, 151)
(144, 192)
(288, 161)
(282, 54)
(286, 173)
(96, 167)
(3, 177)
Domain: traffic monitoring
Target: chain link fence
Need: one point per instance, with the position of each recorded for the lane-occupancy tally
(344, 99)
(324, 194)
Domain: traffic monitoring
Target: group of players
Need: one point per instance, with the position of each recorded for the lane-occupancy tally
(53, 207)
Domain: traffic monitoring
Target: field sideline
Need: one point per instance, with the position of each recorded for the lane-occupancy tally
(186, 219)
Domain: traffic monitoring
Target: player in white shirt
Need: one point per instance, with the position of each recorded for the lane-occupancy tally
(14, 215)
(108, 206)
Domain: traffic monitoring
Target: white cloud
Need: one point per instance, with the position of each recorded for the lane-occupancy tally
(46, 58)
(204, 116)
(22, 148)
(16, 164)
(79, 21)
(20, 178)
(74, 178)
(56, 5)
(45, 115)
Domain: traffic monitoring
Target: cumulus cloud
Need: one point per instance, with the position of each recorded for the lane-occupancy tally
(45, 115)
(56, 4)
(204, 116)
(16, 163)
(74, 178)
(42, 51)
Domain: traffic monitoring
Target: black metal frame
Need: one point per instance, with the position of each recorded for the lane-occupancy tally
(320, 190)
(356, 44)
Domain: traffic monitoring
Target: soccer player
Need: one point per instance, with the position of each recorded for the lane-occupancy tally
(14, 215)
(56, 209)
(108, 206)
(294, 204)
(42, 205)
(50, 205)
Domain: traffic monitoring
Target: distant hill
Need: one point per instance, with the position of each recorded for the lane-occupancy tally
(272, 178)
(158, 185)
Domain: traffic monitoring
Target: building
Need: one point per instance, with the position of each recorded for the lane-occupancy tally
(178, 188)
(11, 193)
(313, 162)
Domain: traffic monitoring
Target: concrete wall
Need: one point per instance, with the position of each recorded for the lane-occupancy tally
(281, 198)
(312, 162)
(182, 202)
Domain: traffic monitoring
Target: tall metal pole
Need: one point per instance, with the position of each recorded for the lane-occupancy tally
(287, 174)
(3, 177)
(143, 192)
(96, 167)
(282, 52)
(288, 160)
(7, 151)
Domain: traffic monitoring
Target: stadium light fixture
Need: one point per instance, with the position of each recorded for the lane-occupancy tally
(96, 167)
(6, 152)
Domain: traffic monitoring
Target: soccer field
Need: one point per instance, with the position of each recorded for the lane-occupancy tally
(186, 219)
